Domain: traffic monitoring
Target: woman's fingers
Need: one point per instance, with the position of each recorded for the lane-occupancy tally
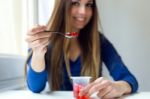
(35, 33)
(37, 39)
(101, 93)
(45, 44)
(44, 47)
(95, 86)
(104, 87)
(31, 38)
(86, 89)
(98, 86)
(36, 29)
(111, 94)
(41, 49)
(38, 42)
(112, 91)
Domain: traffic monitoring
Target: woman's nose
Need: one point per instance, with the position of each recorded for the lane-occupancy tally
(82, 10)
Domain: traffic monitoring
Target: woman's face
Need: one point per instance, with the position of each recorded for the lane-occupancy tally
(81, 13)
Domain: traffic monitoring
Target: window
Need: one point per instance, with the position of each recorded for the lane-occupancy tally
(11, 27)
(16, 17)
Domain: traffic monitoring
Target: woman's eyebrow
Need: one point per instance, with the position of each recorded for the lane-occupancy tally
(75, 0)
(90, 1)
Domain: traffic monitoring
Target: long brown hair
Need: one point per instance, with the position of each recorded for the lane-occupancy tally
(58, 51)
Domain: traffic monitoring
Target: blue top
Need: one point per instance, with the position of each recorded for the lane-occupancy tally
(37, 80)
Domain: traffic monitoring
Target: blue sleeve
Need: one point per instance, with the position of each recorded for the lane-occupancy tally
(115, 65)
(36, 81)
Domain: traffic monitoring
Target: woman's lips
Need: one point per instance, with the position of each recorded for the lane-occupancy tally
(79, 19)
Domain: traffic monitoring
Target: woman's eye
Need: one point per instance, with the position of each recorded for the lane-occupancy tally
(75, 3)
(89, 5)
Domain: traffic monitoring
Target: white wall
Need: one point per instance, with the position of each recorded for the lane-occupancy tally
(45, 10)
(126, 23)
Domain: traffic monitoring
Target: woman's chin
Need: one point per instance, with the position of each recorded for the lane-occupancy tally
(80, 27)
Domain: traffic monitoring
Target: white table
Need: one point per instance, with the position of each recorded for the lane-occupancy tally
(26, 94)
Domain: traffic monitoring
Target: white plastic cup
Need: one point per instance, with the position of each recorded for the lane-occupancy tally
(79, 83)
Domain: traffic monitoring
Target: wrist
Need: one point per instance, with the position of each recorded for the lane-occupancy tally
(38, 62)
(38, 54)
(124, 87)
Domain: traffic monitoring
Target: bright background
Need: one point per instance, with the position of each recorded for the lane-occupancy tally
(126, 23)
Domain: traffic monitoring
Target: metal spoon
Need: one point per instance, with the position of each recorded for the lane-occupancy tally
(67, 35)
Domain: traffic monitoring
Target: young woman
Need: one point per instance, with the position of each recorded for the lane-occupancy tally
(55, 58)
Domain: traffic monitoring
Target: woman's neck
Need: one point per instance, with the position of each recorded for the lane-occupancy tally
(74, 50)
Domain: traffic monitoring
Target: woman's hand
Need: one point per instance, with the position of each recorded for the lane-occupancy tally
(38, 40)
(106, 88)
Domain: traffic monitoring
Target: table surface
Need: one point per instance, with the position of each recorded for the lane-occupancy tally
(26, 94)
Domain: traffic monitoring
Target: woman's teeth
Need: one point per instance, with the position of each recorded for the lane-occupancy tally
(79, 19)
